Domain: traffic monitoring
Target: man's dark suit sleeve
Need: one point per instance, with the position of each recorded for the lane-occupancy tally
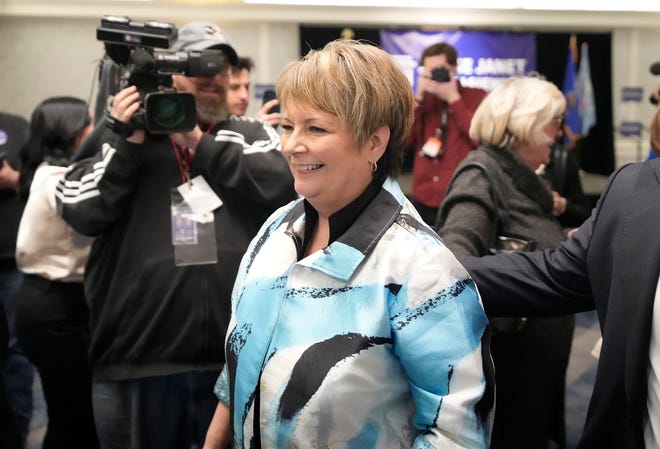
(558, 281)
(542, 283)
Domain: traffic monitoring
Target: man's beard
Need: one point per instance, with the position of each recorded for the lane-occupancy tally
(211, 109)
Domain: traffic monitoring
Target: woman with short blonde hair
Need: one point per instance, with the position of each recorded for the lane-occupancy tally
(517, 111)
(364, 89)
(352, 324)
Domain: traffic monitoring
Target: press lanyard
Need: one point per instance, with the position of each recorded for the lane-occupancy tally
(443, 125)
(183, 160)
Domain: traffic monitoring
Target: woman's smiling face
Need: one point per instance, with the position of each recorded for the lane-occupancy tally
(329, 167)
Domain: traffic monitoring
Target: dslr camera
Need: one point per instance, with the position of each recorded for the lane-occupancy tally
(132, 46)
(440, 75)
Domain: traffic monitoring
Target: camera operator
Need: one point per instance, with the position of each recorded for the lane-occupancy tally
(161, 271)
(440, 133)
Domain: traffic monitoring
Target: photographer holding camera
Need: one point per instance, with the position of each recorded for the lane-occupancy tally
(440, 133)
(173, 210)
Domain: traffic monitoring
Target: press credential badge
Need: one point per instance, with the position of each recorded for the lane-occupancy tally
(193, 230)
(200, 196)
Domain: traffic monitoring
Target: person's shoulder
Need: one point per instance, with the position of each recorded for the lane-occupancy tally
(283, 215)
(654, 163)
(472, 91)
(475, 173)
(236, 123)
(629, 173)
(46, 174)
(417, 247)
(14, 132)
(480, 157)
(7, 118)
(13, 127)
(51, 170)
(476, 90)
(247, 128)
(621, 183)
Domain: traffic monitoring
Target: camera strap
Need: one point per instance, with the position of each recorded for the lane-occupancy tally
(443, 125)
(122, 128)
(435, 145)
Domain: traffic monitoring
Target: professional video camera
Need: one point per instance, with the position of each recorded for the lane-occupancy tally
(131, 45)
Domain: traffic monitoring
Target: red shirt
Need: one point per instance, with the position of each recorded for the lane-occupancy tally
(431, 175)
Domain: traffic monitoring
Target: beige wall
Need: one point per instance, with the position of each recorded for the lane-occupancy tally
(42, 57)
(633, 51)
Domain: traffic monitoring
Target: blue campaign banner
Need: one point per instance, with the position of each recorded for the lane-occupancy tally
(484, 58)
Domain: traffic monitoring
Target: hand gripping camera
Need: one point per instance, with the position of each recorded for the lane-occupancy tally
(131, 45)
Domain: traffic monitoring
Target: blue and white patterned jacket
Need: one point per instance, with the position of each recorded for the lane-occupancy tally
(373, 342)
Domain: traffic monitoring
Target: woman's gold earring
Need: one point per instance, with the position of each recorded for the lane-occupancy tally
(374, 166)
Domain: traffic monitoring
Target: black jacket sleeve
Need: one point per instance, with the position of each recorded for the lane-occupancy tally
(555, 281)
(97, 190)
(246, 159)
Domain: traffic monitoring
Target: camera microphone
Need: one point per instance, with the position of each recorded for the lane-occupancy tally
(655, 68)
(143, 61)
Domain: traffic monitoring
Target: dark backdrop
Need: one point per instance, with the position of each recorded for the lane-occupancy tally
(316, 37)
(595, 151)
